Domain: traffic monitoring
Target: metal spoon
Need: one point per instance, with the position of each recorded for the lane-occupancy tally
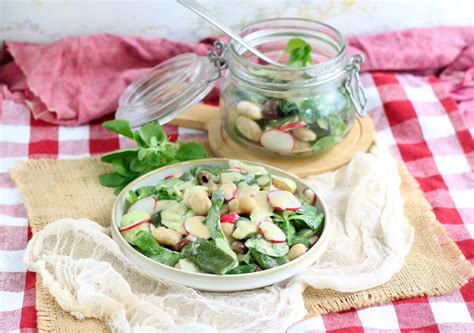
(213, 19)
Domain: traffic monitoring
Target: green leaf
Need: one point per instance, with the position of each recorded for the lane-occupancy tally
(142, 152)
(118, 154)
(139, 140)
(121, 168)
(150, 130)
(243, 269)
(210, 257)
(287, 108)
(191, 151)
(112, 179)
(136, 165)
(310, 217)
(260, 244)
(153, 141)
(324, 143)
(119, 126)
(152, 249)
(267, 262)
(299, 53)
(154, 159)
(336, 124)
(309, 110)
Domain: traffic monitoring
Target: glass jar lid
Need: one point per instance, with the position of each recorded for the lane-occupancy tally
(167, 90)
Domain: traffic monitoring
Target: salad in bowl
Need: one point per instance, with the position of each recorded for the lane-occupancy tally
(220, 219)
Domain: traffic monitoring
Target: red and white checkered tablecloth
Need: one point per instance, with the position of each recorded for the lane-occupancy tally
(413, 115)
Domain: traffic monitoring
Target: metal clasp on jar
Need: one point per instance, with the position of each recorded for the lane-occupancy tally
(357, 94)
(217, 57)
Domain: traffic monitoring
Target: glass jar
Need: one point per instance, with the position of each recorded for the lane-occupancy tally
(290, 111)
(283, 111)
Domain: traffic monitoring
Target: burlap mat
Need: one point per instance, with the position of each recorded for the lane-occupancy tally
(54, 189)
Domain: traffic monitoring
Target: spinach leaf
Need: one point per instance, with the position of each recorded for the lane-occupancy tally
(191, 151)
(118, 154)
(153, 150)
(336, 124)
(243, 269)
(121, 168)
(139, 193)
(299, 53)
(119, 126)
(310, 110)
(267, 262)
(324, 143)
(152, 249)
(112, 179)
(310, 217)
(209, 257)
(150, 130)
(260, 244)
(287, 108)
(166, 189)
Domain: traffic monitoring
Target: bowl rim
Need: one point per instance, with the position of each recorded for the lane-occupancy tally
(120, 199)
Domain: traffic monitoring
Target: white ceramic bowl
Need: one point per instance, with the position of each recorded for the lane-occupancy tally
(211, 282)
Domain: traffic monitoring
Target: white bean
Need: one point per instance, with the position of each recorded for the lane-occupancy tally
(250, 110)
(304, 134)
(166, 236)
(228, 229)
(199, 203)
(248, 128)
(247, 204)
(296, 251)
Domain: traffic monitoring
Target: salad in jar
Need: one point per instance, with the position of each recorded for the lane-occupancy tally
(222, 220)
(286, 112)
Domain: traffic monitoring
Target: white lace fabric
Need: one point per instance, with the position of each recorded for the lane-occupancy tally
(87, 274)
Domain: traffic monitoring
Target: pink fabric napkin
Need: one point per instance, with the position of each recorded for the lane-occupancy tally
(78, 79)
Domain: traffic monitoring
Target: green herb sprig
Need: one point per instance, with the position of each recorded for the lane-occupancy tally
(299, 53)
(153, 150)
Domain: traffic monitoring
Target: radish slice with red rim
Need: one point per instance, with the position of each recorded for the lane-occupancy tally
(277, 141)
(236, 169)
(147, 204)
(290, 126)
(229, 218)
(134, 225)
(283, 200)
(310, 195)
(230, 190)
(196, 226)
(271, 232)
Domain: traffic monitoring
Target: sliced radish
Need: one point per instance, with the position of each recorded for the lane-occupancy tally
(283, 200)
(229, 218)
(229, 189)
(310, 195)
(271, 232)
(195, 226)
(290, 126)
(313, 239)
(147, 204)
(277, 141)
(236, 169)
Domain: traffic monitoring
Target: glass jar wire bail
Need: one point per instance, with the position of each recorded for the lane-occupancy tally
(217, 57)
(353, 66)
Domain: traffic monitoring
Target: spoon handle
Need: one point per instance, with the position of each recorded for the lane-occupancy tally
(213, 19)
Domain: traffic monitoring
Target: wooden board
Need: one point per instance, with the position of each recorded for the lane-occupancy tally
(208, 118)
